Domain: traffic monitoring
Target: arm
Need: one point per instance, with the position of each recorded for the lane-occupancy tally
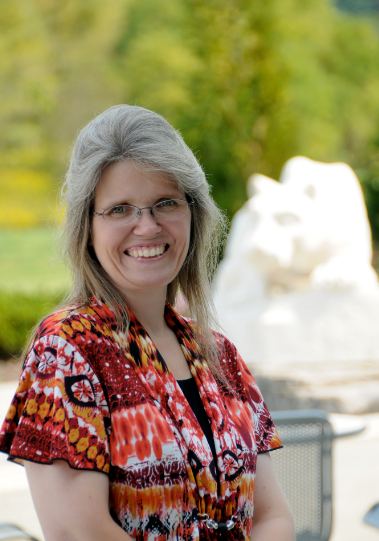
(272, 519)
(72, 505)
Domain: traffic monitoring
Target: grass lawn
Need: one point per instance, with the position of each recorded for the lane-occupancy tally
(28, 262)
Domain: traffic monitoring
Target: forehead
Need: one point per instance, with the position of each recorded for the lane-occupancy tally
(127, 182)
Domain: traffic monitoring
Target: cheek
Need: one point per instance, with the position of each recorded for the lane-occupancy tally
(102, 240)
(96, 240)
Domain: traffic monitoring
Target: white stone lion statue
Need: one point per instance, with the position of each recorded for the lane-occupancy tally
(291, 241)
(308, 230)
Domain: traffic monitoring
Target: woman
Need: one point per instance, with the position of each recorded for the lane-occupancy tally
(131, 421)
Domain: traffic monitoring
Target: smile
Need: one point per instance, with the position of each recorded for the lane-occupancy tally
(146, 252)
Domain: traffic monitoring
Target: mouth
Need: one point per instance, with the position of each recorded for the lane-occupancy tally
(147, 252)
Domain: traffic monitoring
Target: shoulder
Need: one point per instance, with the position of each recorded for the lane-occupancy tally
(67, 353)
(236, 371)
(86, 334)
(224, 344)
(76, 323)
(225, 349)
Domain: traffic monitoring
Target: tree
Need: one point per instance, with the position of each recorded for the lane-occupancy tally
(250, 84)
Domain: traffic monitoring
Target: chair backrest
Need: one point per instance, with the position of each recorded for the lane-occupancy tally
(11, 531)
(303, 467)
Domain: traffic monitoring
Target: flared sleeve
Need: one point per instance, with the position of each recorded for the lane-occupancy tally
(59, 410)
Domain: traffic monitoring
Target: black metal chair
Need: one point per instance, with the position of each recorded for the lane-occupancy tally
(11, 531)
(372, 516)
(303, 467)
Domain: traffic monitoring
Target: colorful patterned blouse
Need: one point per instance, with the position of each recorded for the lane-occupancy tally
(83, 399)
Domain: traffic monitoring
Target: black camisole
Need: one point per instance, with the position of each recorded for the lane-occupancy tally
(191, 392)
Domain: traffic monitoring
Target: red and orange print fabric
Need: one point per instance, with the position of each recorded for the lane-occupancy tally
(84, 399)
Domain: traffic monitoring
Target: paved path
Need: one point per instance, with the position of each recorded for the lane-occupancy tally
(355, 476)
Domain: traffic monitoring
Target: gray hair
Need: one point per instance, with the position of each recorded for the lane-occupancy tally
(126, 132)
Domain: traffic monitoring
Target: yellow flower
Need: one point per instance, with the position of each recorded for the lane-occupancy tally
(67, 330)
(100, 461)
(43, 410)
(59, 416)
(78, 326)
(92, 452)
(32, 406)
(11, 412)
(86, 323)
(82, 444)
(73, 435)
(106, 468)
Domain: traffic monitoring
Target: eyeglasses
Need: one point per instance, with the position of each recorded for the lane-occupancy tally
(168, 210)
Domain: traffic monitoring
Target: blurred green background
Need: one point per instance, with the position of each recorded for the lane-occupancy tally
(249, 84)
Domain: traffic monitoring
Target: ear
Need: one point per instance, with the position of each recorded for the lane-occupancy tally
(302, 174)
(260, 183)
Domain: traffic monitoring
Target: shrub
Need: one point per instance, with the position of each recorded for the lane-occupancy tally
(19, 312)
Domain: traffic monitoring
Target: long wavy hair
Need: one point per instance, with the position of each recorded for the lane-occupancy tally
(127, 132)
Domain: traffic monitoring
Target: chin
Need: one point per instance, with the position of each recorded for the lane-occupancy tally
(145, 285)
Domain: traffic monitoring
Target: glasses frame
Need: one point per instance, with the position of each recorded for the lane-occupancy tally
(139, 210)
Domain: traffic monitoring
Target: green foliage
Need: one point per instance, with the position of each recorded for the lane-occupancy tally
(54, 71)
(358, 6)
(249, 84)
(19, 313)
(28, 262)
(32, 282)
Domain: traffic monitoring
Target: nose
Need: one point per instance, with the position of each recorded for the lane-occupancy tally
(146, 224)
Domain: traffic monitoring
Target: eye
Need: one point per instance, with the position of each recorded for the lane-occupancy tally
(119, 210)
(168, 204)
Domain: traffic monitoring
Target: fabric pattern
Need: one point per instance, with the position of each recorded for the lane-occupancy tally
(84, 399)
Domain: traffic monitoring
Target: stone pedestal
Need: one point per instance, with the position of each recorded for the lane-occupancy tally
(337, 387)
(305, 327)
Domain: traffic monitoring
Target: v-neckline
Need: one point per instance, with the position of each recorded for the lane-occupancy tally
(168, 397)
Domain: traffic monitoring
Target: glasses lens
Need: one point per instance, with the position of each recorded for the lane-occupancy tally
(120, 215)
(171, 209)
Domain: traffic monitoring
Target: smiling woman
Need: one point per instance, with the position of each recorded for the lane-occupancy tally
(128, 254)
(132, 421)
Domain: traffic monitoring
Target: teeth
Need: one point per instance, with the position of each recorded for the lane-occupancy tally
(153, 252)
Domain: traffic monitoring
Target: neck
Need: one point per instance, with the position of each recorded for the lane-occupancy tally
(148, 307)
